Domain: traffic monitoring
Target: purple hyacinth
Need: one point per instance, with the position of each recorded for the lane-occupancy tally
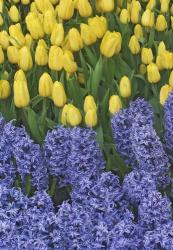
(137, 185)
(56, 149)
(160, 238)
(85, 158)
(168, 127)
(154, 210)
(122, 125)
(149, 151)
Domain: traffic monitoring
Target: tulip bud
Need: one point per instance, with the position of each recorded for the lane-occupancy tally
(20, 75)
(146, 55)
(14, 14)
(164, 93)
(69, 64)
(66, 9)
(138, 32)
(41, 55)
(75, 39)
(142, 69)
(16, 35)
(171, 79)
(1, 55)
(125, 87)
(107, 5)
(124, 16)
(4, 39)
(153, 73)
(34, 26)
(111, 44)
(147, 19)
(81, 78)
(151, 4)
(64, 114)
(84, 8)
(4, 89)
(91, 118)
(25, 59)
(58, 94)
(13, 54)
(56, 60)
(89, 103)
(134, 45)
(164, 6)
(33, 8)
(57, 35)
(115, 104)
(45, 85)
(159, 63)
(161, 23)
(135, 11)
(98, 25)
(167, 59)
(87, 35)
(74, 117)
(21, 94)
(28, 40)
(49, 21)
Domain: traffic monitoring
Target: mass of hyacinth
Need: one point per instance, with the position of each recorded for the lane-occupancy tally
(86, 125)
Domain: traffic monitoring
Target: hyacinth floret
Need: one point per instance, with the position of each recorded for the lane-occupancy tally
(168, 127)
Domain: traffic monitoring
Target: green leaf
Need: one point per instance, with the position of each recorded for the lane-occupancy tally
(96, 77)
(121, 67)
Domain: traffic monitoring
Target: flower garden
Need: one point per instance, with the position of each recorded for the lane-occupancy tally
(86, 125)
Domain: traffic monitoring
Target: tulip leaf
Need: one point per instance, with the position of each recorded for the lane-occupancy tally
(121, 67)
(96, 77)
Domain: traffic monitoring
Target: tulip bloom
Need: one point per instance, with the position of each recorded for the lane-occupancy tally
(84, 8)
(125, 87)
(115, 104)
(89, 103)
(14, 14)
(13, 54)
(57, 35)
(87, 35)
(111, 44)
(98, 25)
(25, 59)
(146, 55)
(58, 94)
(134, 45)
(153, 73)
(4, 89)
(74, 116)
(45, 85)
(66, 9)
(164, 93)
(55, 61)
(91, 118)
(21, 94)
(75, 39)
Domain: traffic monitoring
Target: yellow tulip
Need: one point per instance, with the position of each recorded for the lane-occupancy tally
(89, 103)
(167, 59)
(164, 93)
(44, 5)
(25, 59)
(14, 14)
(98, 25)
(69, 64)
(41, 55)
(13, 54)
(45, 85)
(58, 94)
(74, 116)
(28, 40)
(111, 44)
(57, 35)
(161, 48)
(146, 55)
(49, 21)
(135, 11)
(34, 26)
(4, 89)
(84, 8)
(66, 9)
(64, 114)
(107, 5)
(171, 79)
(87, 35)
(161, 23)
(153, 73)
(142, 69)
(147, 19)
(16, 35)
(56, 59)
(75, 39)
(115, 104)
(25, 2)
(125, 87)
(91, 118)
(134, 45)
(4, 39)
(1, 6)
(151, 4)
(124, 16)
(164, 8)
(138, 32)
(21, 94)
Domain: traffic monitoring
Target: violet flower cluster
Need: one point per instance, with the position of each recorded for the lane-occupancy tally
(102, 213)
